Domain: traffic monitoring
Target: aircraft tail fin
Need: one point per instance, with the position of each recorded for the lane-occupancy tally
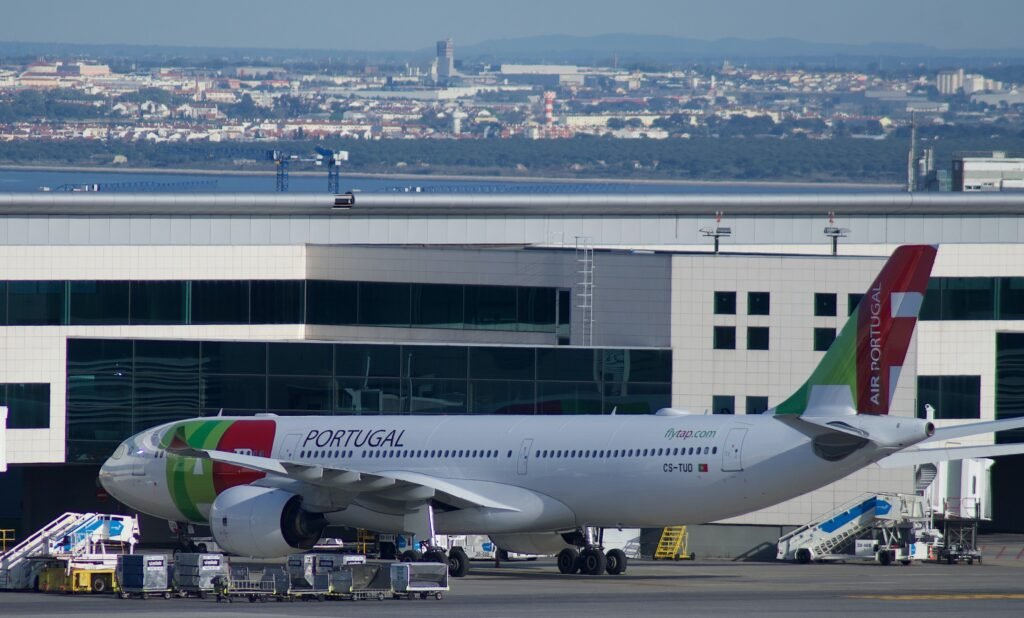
(860, 370)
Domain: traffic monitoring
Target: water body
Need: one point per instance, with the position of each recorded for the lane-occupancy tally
(23, 180)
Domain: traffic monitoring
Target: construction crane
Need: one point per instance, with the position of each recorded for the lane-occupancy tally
(333, 159)
(281, 160)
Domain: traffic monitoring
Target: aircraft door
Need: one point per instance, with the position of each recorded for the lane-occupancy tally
(524, 454)
(732, 460)
(289, 446)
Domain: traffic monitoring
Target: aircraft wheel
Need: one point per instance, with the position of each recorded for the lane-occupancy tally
(617, 562)
(568, 561)
(411, 555)
(435, 555)
(458, 562)
(593, 562)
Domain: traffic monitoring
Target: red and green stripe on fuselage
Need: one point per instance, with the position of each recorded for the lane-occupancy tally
(193, 482)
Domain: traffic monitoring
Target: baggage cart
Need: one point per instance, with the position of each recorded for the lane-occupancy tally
(257, 591)
(419, 579)
(143, 575)
(309, 575)
(357, 582)
(194, 573)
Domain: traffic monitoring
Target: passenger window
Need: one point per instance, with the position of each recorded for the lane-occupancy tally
(510, 453)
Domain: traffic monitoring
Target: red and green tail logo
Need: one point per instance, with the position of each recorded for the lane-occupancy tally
(861, 369)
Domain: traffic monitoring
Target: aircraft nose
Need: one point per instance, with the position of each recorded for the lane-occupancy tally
(112, 471)
(106, 477)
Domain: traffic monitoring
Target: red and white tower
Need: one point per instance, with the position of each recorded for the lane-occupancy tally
(549, 109)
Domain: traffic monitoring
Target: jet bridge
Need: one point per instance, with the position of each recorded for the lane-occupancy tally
(834, 535)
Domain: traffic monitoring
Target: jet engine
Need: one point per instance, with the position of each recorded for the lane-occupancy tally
(263, 522)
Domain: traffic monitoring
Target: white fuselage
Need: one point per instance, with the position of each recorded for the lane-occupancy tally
(560, 472)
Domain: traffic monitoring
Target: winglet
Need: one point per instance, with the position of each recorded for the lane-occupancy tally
(860, 370)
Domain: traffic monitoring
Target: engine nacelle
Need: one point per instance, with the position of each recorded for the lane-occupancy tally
(263, 522)
(535, 543)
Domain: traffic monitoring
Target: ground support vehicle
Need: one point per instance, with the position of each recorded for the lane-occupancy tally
(143, 576)
(72, 579)
(956, 553)
(419, 579)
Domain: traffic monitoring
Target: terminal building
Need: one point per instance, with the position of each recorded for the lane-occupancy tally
(119, 312)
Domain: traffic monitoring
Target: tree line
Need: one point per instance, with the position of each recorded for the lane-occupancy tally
(700, 158)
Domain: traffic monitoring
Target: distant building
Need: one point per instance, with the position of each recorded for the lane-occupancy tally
(950, 82)
(989, 172)
(445, 60)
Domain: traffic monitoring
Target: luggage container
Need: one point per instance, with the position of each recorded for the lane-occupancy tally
(309, 575)
(361, 581)
(419, 579)
(143, 575)
(194, 573)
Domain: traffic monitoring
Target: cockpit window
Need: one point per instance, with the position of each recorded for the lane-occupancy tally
(120, 451)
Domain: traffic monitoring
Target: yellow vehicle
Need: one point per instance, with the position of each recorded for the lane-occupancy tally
(59, 579)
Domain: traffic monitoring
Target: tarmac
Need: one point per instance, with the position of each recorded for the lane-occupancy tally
(700, 588)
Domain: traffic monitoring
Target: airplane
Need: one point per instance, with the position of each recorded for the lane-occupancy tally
(268, 486)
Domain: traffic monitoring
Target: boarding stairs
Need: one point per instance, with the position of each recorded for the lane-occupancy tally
(84, 537)
(832, 535)
(673, 544)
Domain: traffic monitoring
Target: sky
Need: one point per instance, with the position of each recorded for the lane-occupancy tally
(405, 25)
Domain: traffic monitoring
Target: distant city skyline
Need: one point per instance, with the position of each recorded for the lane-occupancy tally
(415, 25)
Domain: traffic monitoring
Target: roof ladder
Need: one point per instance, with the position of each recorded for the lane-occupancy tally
(585, 288)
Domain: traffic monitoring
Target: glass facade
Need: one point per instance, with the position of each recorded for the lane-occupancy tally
(723, 404)
(823, 338)
(356, 303)
(852, 300)
(756, 404)
(117, 387)
(757, 337)
(758, 303)
(725, 303)
(824, 304)
(28, 405)
(974, 298)
(725, 338)
(1010, 382)
(951, 396)
(1007, 500)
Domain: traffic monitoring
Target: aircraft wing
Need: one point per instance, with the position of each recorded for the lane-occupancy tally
(914, 457)
(349, 484)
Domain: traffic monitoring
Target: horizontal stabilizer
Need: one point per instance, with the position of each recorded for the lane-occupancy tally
(973, 429)
(935, 455)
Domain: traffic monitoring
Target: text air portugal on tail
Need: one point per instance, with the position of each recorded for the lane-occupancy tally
(860, 371)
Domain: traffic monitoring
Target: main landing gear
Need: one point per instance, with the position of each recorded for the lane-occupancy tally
(591, 559)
